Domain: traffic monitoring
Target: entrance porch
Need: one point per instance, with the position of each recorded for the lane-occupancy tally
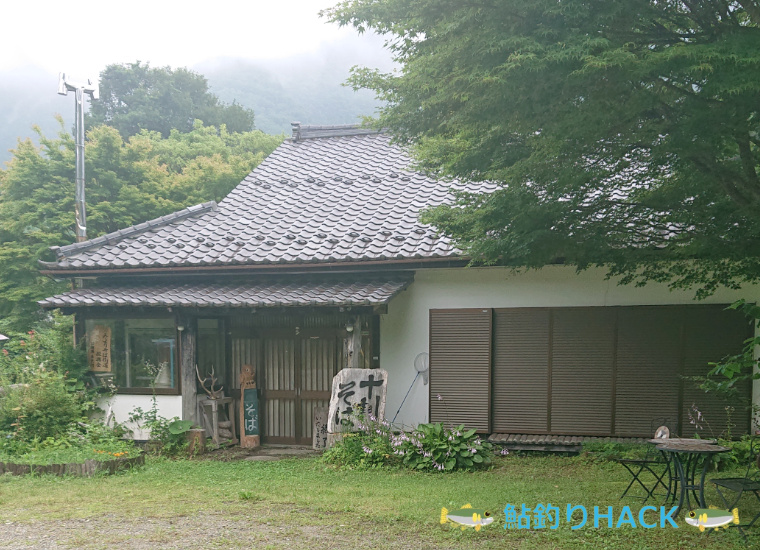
(160, 341)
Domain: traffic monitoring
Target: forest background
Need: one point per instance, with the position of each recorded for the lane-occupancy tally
(178, 142)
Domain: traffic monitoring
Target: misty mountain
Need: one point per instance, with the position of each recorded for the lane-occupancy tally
(28, 97)
(305, 88)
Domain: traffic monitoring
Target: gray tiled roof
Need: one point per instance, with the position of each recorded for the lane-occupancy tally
(348, 293)
(335, 198)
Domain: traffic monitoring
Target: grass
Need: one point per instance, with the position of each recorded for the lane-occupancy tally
(296, 502)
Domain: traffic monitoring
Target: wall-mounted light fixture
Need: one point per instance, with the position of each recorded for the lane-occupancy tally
(180, 328)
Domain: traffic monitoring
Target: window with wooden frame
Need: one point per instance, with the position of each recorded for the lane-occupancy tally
(134, 355)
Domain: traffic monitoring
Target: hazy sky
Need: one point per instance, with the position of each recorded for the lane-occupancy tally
(81, 38)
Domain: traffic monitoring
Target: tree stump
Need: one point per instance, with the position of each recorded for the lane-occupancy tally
(196, 439)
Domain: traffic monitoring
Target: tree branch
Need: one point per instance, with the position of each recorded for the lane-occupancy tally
(748, 165)
(710, 167)
(752, 8)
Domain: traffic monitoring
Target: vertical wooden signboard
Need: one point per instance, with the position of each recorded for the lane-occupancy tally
(250, 434)
(99, 348)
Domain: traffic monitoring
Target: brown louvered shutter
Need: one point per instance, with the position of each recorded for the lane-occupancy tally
(520, 370)
(711, 334)
(460, 367)
(582, 367)
(648, 357)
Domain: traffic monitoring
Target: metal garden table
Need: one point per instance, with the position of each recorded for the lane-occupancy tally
(685, 456)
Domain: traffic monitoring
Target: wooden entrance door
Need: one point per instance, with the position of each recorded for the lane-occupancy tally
(296, 375)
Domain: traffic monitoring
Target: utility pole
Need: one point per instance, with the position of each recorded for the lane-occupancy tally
(64, 87)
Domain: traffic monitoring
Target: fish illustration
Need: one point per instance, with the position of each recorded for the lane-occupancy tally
(467, 516)
(712, 518)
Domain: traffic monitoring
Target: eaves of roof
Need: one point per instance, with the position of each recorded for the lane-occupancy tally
(298, 293)
(300, 268)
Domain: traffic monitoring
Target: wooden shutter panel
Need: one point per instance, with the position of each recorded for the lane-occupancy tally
(583, 362)
(520, 370)
(712, 333)
(648, 358)
(460, 367)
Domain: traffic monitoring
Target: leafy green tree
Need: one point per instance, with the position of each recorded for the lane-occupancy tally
(128, 182)
(623, 133)
(137, 97)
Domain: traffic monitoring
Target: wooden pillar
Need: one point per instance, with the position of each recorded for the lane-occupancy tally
(187, 363)
(79, 334)
(354, 345)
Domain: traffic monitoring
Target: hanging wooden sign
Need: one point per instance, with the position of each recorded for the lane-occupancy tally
(99, 348)
(250, 432)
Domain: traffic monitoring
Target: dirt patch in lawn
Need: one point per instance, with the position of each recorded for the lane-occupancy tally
(265, 452)
(262, 528)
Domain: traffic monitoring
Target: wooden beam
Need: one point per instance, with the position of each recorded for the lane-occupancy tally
(355, 344)
(187, 361)
(79, 332)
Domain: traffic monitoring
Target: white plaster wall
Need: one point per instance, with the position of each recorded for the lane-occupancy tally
(404, 329)
(169, 406)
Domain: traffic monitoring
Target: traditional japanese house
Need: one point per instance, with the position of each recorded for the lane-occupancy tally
(319, 250)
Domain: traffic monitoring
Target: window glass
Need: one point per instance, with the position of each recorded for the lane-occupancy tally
(133, 353)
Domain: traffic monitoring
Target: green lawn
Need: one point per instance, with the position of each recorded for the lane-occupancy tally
(301, 502)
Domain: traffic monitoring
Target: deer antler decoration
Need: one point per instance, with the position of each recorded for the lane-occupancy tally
(212, 393)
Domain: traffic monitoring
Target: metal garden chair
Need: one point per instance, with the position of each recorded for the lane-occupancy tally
(736, 487)
(652, 471)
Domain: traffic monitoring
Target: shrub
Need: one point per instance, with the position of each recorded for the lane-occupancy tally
(169, 435)
(430, 447)
(48, 345)
(601, 452)
(91, 442)
(611, 451)
(40, 409)
(740, 453)
(370, 447)
(42, 393)
(434, 447)
(44, 405)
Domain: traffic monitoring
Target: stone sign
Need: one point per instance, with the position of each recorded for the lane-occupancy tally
(356, 390)
(319, 440)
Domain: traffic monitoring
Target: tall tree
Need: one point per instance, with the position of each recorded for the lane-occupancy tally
(625, 133)
(137, 97)
(128, 182)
